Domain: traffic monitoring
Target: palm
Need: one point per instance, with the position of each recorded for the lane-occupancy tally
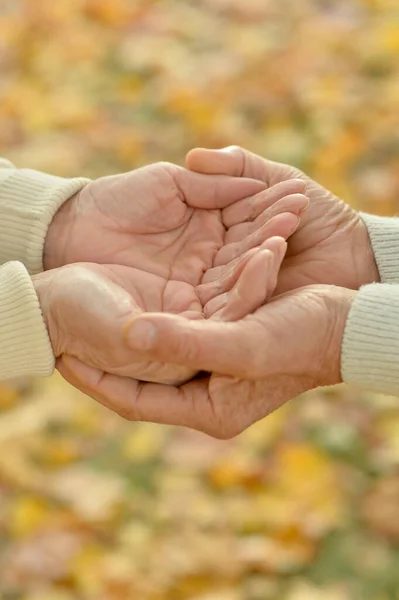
(125, 293)
(154, 219)
(325, 246)
(110, 296)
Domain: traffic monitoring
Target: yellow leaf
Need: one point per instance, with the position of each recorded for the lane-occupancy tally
(8, 396)
(61, 451)
(309, 478)
(28, 515)
(235, 470)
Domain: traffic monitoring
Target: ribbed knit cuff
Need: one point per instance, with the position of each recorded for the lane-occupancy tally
(384, 237)
(25, 347)
(28, 202)
(370, 348)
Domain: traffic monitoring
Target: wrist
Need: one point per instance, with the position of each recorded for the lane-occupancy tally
(43, 284)
(364, 257)
(338, 303)
(58, 238)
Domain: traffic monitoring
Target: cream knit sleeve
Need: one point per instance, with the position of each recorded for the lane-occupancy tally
(25, 347)
(384, 237)
(370, 348)
(28, 202)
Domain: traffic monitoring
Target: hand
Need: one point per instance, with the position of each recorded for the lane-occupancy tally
(331, 244)
(165, 220)
(258, 363)
(87, 307)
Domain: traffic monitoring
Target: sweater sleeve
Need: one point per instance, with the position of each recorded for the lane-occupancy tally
(25, 347)
(384, 237)
(28, 202)
(370, 348)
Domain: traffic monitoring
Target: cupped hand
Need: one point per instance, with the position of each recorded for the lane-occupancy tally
(331, 245)
(254, 364)
(88, 307)
(165, 220)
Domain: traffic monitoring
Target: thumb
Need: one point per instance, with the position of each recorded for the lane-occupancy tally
(232, 160)
(229, 348)
(238, 162)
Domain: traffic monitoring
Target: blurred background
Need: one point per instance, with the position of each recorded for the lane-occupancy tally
(303, 506)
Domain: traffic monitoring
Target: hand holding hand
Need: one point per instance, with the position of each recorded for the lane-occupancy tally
(331, 244)
(188, 263)
(255, 364)
(88, 307)
(165, 220)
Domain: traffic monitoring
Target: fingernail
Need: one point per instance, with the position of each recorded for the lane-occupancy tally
(306, 205)
(301, 181)
(294, 228)
(141, 335)
(299, 203)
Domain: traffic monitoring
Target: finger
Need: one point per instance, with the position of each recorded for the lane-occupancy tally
(215, 191)
(295, 204)
(235, 349)
(221, 279)
(249, 292)
(282, 225)
(216, 273)
(239, 162)
(137, 401)
(215, 294)
(256, 284)
(250, 208)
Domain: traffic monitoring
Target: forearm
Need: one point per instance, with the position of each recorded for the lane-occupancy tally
(25, 347)
(28, 202)
(370, 348)
(384, 238)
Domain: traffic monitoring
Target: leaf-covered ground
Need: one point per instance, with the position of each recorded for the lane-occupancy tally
(303, 506)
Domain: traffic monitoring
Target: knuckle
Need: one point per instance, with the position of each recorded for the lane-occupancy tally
(227, 430)
(128, 407)
(127, 412)
(162, 164)
(227, 422)
(236, 148)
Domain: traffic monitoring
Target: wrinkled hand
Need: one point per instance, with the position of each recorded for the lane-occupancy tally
(201, 253)
(283, 349)
(88, 307)
(290, 346)
(331, 244)
(165, 220)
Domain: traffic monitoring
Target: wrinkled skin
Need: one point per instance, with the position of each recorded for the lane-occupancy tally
(331, 244)
(257, 363)
(281, 350)
(162, 219)
(88, 308)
